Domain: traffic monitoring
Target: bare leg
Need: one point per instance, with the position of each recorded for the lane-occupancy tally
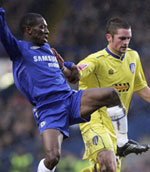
(107, 161)
(52, 140)
(93, 99)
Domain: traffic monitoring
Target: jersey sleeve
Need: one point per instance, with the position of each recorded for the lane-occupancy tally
(140, 81)
(88, 66)
(68, 64)
(9, 42)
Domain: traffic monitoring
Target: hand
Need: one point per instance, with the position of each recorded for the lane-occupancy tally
(2, 11)
(75, 75)
(59, 58)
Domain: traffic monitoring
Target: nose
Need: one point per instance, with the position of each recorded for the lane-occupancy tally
(47, 31)
(126, 41)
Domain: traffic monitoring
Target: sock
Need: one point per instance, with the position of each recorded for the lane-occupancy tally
(42, 168)
(119, 120)
(122, 139)
(121, 128)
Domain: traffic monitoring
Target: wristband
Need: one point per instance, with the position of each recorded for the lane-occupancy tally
(68, 64)
(62, 69)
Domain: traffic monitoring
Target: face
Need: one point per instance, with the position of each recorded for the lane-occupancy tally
(39, 32)
(119, 42)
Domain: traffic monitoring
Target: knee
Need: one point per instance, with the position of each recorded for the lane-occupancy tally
(108, 167)
(107, 161)
(114, 93)
(114, 97)
(111, 167)
(52, 158)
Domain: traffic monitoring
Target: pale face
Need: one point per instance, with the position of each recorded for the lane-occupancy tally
(119, 42)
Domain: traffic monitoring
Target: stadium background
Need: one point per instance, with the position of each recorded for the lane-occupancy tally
(77, 28)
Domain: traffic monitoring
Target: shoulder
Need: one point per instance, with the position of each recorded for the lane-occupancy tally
(94, 58)
(47, 45)
(132, 52)
(97, 54)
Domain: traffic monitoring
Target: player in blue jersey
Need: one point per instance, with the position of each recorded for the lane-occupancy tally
(40, 78)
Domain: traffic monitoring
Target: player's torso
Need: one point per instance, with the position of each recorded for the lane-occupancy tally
(118, 73)
(112, 72)
(40, 61)
(38, 73)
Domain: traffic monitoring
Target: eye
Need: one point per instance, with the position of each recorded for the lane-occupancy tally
(42, 27)
(124, 38)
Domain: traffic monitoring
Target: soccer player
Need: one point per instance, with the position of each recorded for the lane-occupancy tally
(40, 78)
(115, 66)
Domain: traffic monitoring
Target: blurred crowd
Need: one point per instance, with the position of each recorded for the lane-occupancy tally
(83, 29)
(18, 133)
(77, 28)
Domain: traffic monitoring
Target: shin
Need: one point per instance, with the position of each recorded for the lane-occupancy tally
(119, 120)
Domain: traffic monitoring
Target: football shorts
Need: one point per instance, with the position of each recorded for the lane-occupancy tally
(61, 114)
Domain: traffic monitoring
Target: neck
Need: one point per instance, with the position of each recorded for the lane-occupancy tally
(26, 38)
(115, 52)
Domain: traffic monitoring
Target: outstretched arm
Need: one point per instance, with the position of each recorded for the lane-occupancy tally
(9, 42)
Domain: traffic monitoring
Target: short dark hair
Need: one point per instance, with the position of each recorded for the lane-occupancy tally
(30, 19)
(116, 23)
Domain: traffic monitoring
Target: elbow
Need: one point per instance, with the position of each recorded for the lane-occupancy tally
(147, 99)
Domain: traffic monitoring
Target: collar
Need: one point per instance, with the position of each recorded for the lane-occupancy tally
(117, 57)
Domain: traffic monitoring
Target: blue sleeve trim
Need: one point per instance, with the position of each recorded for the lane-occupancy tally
(68, 64)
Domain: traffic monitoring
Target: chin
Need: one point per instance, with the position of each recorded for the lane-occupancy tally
(43, 42)
(40, 43)
(124, 50)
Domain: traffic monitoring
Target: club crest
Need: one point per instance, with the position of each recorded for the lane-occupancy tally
(95, 140)
(42, 124)
(132, 67)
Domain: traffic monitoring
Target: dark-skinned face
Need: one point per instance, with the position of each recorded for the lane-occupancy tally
(39, 32)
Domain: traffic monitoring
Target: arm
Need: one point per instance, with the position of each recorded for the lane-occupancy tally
(72, 73)
(9, 42)
(74, 76)
(140, 84)
(144, 93)
(88, 66)
(69, 69)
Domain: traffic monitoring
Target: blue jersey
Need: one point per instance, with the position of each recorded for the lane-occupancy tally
(35, 68)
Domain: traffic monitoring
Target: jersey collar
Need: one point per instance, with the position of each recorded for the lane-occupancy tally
(117, 57)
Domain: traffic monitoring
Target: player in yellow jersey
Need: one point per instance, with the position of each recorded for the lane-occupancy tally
(120, 67)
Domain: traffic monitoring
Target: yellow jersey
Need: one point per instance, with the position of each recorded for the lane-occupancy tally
(105, 69)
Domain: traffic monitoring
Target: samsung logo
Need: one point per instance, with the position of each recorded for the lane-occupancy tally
(44, 58)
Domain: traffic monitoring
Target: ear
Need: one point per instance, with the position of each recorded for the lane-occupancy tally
(28, 30)
(109, 37)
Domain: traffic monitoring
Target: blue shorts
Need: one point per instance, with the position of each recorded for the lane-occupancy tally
(61, 114)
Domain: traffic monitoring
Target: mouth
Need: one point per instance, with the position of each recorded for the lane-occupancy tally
(124, 48)
(46, 38)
